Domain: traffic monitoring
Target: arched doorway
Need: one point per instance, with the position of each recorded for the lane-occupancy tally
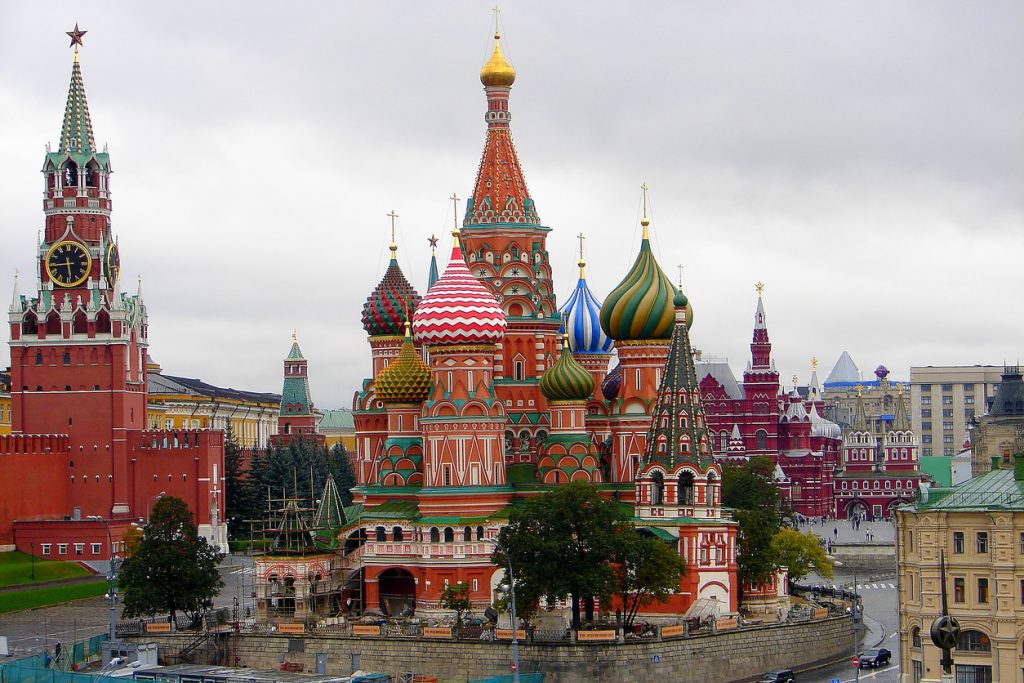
(397, 590)
(857, 508)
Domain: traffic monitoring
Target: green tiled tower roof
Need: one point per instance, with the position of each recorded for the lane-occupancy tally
(76, 133)
(295, 396)
(678, 431)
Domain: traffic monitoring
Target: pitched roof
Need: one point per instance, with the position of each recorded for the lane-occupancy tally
(719, 369)
(845, 370)
(159, 383)
(993, 490)
(340, 419)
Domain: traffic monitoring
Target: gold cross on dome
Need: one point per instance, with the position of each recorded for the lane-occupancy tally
(392, 215)
(759, 287)
(643, 188)
(814, 363)
(796, 380)
(680, 267)
(581, 237)
(497, 16)
(455, 213)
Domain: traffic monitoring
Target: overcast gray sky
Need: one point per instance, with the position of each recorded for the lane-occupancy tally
(863, 159)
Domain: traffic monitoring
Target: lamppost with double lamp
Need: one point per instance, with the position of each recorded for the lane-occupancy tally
(111, 574)
(149, 504)
(510, 590)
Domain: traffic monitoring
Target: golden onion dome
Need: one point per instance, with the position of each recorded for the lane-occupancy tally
(407, 377)
(497, 70)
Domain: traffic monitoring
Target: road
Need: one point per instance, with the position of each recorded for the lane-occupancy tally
(31, 631)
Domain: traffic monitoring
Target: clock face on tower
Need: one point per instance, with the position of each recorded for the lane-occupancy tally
(68, 263)
(113, 264)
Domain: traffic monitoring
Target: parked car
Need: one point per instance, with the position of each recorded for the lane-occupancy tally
(873, 658)
(785, 676)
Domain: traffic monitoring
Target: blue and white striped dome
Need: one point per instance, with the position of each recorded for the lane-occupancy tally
(582, 313)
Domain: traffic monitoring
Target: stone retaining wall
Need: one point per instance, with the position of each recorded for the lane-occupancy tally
(730, 656)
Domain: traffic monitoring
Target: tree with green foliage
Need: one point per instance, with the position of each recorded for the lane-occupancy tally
(455, 597)
(646, 570)
(573, 543)
(340, 465)
(239, 488)
(174, 569)
(300, 470)
(749, 488)
(800, 553)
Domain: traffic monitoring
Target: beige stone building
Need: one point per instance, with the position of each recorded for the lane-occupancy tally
(944, 400)
(1000, 431)
(980, 527)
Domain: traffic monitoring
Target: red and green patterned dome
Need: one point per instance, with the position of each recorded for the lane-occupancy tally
(566, 380)
(390, 303)
(406, 379)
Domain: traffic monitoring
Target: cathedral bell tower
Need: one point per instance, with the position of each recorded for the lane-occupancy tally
(78, 346)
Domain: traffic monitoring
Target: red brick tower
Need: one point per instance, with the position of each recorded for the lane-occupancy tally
(761, 389)
(505, 248)
(78, 348)
(297, 418)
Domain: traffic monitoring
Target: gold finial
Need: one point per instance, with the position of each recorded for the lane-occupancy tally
(581, 263)
(295, 335)
(796, 380)
(76, 39)
(814, 363)
(497, 70)
(899, 390)
(644, 221)
(408, 325)
(680, 267)
(394, 245)
(860, 388)
(760, 289)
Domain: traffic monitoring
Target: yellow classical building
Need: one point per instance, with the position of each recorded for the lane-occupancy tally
(186, 403)
(980, 527)
(5, 403)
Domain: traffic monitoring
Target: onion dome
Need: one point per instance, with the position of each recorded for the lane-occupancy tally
(458, 309)
(406, 379)
(388, 306)
(497, 70)
(641, 306)
(566, 380)
(612, 382)
(582, 313)
(823, 427)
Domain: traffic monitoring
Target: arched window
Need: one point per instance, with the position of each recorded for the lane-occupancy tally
(67, 358)
(479, 533)
(30, 324)
(467, 534)
(518, 370)
(762, 439)
(712, 494)
(684, 493)
(723, 440)
(382, 535)
(396, 534)
(39, 357)
(915, 637)
(449, 535)
(974, 641)
(103, 322)
(435, 535)
(53, 323)
(657, 489)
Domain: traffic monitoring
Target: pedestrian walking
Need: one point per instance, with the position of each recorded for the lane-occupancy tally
(835, 533)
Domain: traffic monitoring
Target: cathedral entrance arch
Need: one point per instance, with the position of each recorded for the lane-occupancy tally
(397, 590)
(857, 507)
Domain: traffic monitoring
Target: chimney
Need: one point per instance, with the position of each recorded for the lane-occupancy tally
(1018, 466)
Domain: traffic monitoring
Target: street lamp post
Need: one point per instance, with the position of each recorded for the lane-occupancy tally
(856, 620)
(111, 575)
(149, 503)
(32, 546)
(510, 590)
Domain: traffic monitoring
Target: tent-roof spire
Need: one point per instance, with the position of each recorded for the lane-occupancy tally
(76, 134)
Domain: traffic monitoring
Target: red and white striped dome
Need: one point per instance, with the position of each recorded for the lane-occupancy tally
(458, 309)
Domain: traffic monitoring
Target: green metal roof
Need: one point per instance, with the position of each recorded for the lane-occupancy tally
(939, 468)
(995, 490)
(663, 534)
(340, 419)
(393, 509)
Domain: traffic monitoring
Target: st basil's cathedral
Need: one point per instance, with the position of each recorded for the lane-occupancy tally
(485, 393)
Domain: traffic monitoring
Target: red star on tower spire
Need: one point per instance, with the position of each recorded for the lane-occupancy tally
(76, 37)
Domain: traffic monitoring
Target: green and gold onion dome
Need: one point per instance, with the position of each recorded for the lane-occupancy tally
(406, 379)
(566, 380)
(641, 307)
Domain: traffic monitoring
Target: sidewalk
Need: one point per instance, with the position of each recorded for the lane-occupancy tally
(841, 531)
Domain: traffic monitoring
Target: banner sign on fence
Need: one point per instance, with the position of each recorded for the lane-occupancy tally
(726, 624)
(364, 630)
(595, 636)
(436, 632)
(293, 629)
(671, 631)
(821, 612)
(158, 627)
(506, 633)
